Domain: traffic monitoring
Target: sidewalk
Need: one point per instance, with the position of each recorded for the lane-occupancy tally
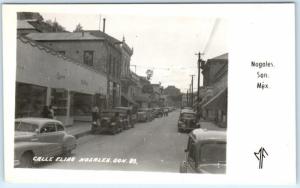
(210, 126)
(79, 129)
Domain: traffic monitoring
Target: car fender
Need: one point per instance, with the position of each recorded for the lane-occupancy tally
(69, 141)
(37, 148)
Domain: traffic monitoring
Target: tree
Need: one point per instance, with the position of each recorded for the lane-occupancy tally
(51, 26)
(78, 28)
(149, 74)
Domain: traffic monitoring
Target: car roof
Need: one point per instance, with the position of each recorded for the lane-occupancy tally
(188, 111)
(200, 135)
(37, 121)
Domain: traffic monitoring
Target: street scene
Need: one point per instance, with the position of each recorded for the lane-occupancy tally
(111, 92)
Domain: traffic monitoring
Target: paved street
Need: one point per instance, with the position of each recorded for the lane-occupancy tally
(156, 146)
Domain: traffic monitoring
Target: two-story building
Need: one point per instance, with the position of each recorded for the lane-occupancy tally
(47, 77)
(95, 49)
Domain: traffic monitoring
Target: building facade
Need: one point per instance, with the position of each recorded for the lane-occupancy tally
(94, 49)
(46, 77)
(214, 99)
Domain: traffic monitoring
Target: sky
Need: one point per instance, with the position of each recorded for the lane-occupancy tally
(166, 44)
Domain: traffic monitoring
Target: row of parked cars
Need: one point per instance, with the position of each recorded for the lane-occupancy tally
(117, 119)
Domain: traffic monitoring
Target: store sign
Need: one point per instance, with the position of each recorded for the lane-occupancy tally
(60, 76)
(84, 82)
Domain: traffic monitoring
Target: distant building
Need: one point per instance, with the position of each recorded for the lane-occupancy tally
(129, 81)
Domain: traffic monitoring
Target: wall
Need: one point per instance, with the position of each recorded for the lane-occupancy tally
(75, 50)
(39, 67)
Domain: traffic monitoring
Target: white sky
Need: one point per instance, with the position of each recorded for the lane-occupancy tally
(166, 44)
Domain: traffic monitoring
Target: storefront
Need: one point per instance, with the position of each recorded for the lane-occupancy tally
(46, 78)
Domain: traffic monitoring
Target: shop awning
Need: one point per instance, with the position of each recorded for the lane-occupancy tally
(219, 101)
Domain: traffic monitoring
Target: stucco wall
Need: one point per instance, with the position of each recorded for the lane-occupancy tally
(36, 66)
(75, 50)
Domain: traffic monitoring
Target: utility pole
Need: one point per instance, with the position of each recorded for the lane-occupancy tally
(192, 88)
(200, 62)
(187, 97)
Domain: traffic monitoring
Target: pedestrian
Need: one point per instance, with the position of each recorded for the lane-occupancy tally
(51, 112)
(95, 114)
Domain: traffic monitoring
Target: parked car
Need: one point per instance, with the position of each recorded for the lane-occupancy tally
(127, 116)
(187, 121)
(40, 137)
(145, 114)
(205, 152)
(186, 108)
(158, 112)
(110, 121)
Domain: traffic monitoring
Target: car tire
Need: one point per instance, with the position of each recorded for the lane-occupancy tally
(67, 153)
(26, 160)
(179, 130)
(114, 131)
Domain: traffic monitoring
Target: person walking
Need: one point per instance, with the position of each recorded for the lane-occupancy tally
(95, 114)
(51, 112)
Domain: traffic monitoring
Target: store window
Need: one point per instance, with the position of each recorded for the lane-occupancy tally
(81, 104)
(88, 57)
(30, 100)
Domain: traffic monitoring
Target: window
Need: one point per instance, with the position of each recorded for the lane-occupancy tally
(88, 57)
(191, 150)
(60, 127)
(25, 127)
(48, 128)
(213, 153)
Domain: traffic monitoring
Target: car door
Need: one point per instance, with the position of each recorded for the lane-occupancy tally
(51, 137)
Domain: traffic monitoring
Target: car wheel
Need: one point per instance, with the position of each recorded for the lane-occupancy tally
(179, 130)
(26, 160)
(68, 153)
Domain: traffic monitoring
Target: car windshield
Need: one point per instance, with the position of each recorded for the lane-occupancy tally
(213, 153)
(188, 116)
(25, 127)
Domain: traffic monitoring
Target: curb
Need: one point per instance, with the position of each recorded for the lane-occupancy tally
(81, 134)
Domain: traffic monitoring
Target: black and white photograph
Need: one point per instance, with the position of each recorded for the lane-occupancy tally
(119, 92)
(168, 93)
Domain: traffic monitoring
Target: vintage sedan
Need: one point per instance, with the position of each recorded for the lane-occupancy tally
(40, 137)
(145, 114)
(127, 115)
(205, 152)
(187, 121)
(110, 121)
